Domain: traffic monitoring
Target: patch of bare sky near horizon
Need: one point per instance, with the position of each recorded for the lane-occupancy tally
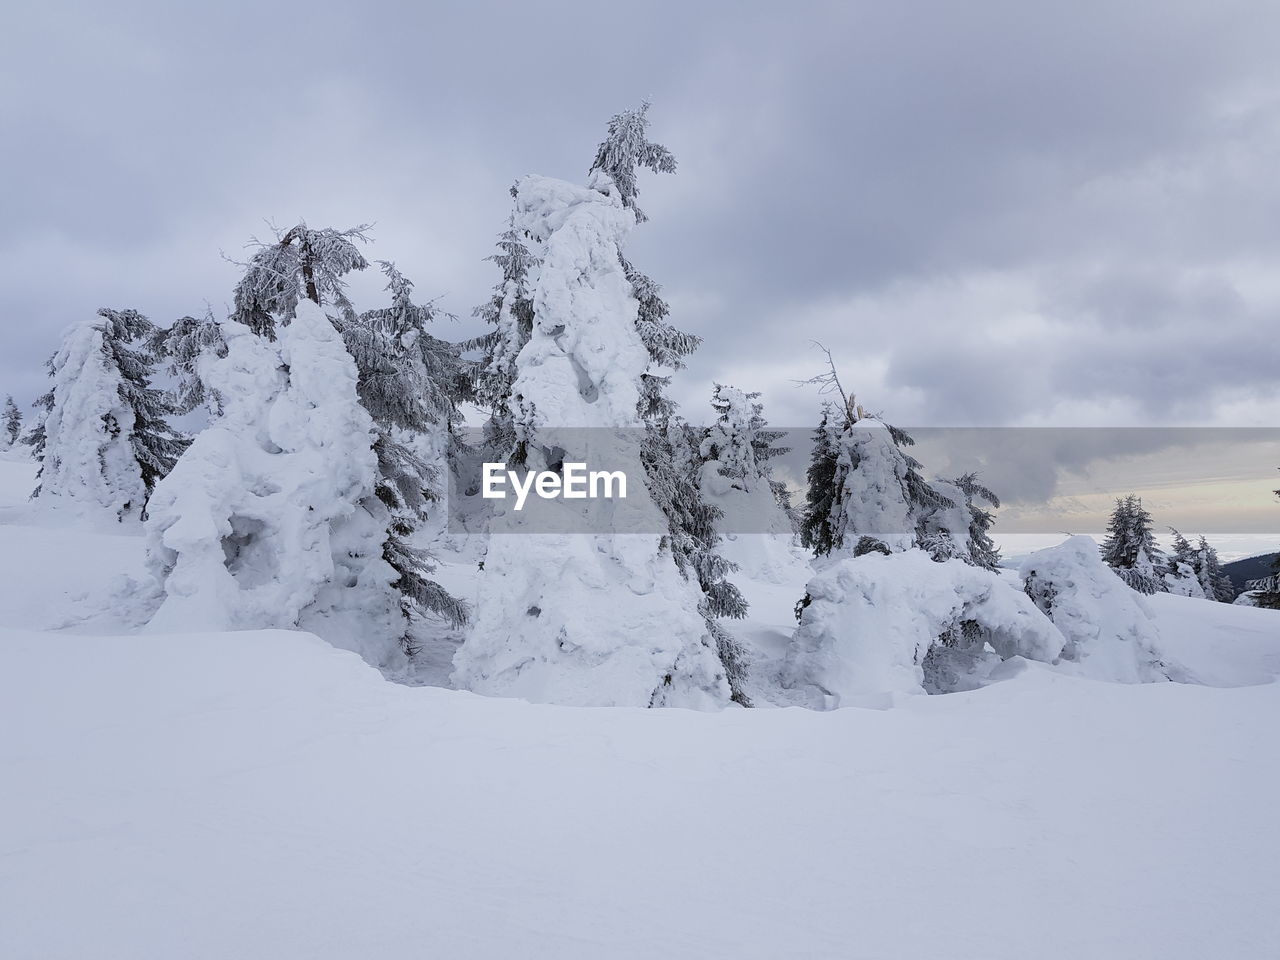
(993, 213)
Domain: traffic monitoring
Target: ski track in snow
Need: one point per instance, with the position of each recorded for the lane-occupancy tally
(264, 795)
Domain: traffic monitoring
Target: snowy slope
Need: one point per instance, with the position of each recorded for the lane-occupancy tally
(265, 795)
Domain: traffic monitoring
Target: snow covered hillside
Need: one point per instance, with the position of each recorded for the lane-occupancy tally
(262, 794)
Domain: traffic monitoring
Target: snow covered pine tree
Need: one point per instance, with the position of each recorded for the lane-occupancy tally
(411, 383)
(510, 311)
(1213, 579)
(293, 508)
(101, 436)
(603, 618)
(757, 529)
(864, 492)
(1182, 578)
(182, 345)
(1130, 548)
(12, 426)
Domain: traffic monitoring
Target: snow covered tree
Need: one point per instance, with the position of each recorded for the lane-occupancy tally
(1183, 553)
(102, 437)
(1110, 633)
(1130, 547)
(410, 382)
(12, 426)
(261, 523)
(300, 263)
(627, 147)
(963, 530)
(734, 477)
(1182, 576)
(670, 457)
(903, 623)
(862, 484)
(510, 311)
(739, 440)
(1213, 579)
(181, 346)
(816, 529)
(327, 412)
(615, 617)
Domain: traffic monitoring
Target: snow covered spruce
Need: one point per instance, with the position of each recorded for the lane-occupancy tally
(100, 433)
(298, 505)
(613, 618)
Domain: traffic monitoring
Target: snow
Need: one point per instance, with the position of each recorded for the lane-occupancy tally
(600, 619)
(89, 466)
(758, 536)
(1183, 582)
(874, 626)
(875, 501)
(1110, 628)
(262, 794)
(283, 800)
(258, 525)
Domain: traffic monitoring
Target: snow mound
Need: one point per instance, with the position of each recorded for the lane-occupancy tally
(258, 525)
(1110, 629)
(904, 623)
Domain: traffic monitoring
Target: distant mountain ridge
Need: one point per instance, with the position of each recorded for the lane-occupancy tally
(1250, 568)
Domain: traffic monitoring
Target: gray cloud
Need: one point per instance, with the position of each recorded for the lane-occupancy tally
(992, 212)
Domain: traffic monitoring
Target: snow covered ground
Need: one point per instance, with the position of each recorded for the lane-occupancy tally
(265, 795)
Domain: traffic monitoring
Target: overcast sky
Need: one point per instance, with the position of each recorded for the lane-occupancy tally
(992, 212)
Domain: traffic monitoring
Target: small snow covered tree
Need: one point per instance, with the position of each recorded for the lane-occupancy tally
(300, 263)
(741, 443)
(873, 489)
(816, 529)
(102, 438)
(670, 457)
(735, 477)
(12, 426)
(1182, 577)
(1182, 550)
(1130, 548)
(1110, 633)
(1213, 579)
(963, 531)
